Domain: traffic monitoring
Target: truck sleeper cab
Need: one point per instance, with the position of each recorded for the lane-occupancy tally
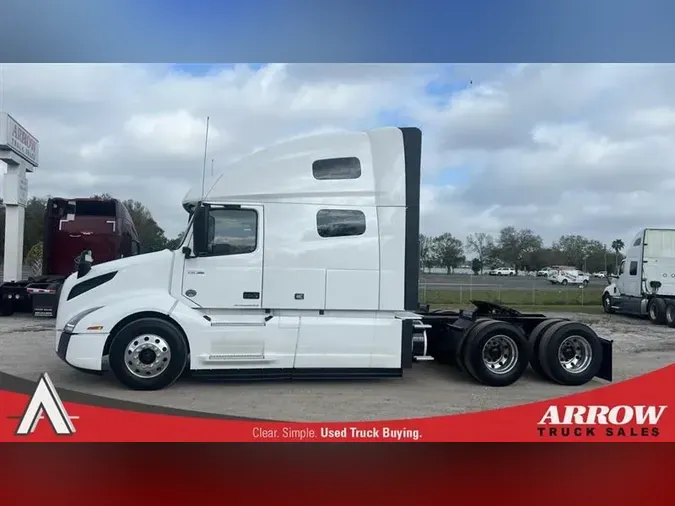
(645, 282)
(302, 262)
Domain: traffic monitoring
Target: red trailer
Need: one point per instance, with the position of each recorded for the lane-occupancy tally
(102, 226)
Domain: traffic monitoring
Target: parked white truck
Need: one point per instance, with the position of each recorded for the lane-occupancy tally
(302, 261)
(645, 282)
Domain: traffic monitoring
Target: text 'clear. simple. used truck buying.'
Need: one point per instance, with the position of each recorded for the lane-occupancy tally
(645, 283)
(100, 225)
(302, 261)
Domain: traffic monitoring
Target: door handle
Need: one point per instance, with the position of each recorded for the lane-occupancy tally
(251, 295)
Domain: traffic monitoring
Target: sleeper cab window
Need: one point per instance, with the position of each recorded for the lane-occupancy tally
(633, 268)
(340, 222)
(337, 168)
(638, 241)
(233, 231)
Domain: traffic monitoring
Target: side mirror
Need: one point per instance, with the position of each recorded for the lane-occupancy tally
(84, 262)
(200, 230)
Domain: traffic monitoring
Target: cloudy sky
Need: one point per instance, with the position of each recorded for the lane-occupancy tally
(561, 149)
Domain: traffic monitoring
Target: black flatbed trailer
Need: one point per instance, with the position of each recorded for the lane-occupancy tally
(494, 344)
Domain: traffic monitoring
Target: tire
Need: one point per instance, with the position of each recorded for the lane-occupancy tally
(535, 338)
(670, 315)
(550, 345)
(460, 359)
(607, 303)
(162, 337)
(657, 311)
(514, 340)
(564, 282)
(585, 283)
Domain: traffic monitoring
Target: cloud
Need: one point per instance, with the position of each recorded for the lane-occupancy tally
(558, 148)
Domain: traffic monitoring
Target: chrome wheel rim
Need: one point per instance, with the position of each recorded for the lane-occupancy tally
(147, 356)
(606, 302)
(670, 314)
(652, 312)
(500, 354)
(575, 354)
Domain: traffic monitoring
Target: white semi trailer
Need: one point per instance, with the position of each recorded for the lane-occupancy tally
(645, 282)
(302, 261)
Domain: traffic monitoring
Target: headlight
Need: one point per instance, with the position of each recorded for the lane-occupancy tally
(72, 323)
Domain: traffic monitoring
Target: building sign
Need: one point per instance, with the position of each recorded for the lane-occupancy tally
(15, 189)
(16, 138)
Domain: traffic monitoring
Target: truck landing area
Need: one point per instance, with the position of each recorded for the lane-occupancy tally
(27, 350)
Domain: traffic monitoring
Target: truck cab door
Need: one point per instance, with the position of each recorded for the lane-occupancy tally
(620, 281)
(229, 274)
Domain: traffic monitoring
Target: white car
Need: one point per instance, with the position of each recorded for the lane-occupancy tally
(568, 277)
(544, 272)
(502, 271)
(599, 274)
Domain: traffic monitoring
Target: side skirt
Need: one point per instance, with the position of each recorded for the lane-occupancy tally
(262, 374)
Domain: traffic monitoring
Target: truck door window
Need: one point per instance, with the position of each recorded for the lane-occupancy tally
(633, 269)
(340, 222)
(232, 231)
(623, 263)
(638, 241)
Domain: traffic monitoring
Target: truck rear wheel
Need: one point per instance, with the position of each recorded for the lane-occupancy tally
(535, 339)
(148, 354)
(570, 353)
(496, 354)
(657, 311)
(670, 315)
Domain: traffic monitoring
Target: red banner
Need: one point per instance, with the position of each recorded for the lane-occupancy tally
(639, 409)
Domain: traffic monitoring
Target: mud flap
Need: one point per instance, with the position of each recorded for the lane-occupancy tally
(407, 344)
(606, 368)
(45, 305)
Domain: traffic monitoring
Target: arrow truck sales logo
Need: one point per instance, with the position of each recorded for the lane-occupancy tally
(609, 421)
(46, 401)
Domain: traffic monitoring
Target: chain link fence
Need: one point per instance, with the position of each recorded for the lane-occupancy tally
(537, 293)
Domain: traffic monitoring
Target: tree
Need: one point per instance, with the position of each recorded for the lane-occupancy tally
(448, 251)
(515, 246)
(34, 225)
(426, 251)
(150, 234)
(476, 266)
(172, 244)
(482, 244)
(617, 246)
(34, 259)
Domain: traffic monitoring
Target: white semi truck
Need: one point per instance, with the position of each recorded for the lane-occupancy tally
(302, 261)
(645, 282)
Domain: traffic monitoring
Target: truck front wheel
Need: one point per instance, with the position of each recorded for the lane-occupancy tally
(148, 354)
(607, 303)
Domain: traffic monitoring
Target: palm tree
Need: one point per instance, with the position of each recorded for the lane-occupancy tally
(617, 246)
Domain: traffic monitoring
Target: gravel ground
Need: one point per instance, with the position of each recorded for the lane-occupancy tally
(26, 350)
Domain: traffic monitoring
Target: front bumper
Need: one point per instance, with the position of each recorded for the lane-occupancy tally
(83, 352)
